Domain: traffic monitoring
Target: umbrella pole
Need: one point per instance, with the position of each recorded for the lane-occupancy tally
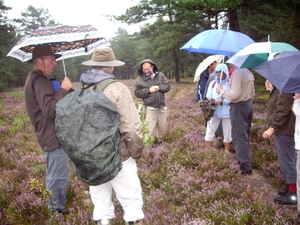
(63, 60)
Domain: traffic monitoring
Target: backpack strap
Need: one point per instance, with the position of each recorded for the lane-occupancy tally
(103, 84)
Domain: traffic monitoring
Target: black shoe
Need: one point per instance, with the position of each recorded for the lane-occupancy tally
(288, 199)
(59, 211)
(246, 172)
(283, 192)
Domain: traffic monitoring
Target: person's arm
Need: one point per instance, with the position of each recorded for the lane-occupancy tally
(47, 98)
(164, 86)
(202, 84)
(283, 107)
(235, 88)
(141, 91)
(130, 125)
(296, 105)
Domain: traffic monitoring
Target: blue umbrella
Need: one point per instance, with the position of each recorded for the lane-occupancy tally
(283, 71)
(218, 42)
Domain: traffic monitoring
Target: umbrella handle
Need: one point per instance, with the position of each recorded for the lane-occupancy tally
(63, 60)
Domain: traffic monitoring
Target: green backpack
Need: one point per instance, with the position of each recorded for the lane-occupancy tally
(87, 127)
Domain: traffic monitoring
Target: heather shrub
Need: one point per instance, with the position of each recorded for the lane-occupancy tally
(182, 182)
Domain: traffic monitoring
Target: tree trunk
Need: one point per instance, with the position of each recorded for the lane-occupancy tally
(176, 74)
(233, 20)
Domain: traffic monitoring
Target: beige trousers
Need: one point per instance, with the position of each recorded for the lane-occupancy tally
(156, 120)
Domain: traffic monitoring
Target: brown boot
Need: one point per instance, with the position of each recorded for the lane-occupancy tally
(208, 144)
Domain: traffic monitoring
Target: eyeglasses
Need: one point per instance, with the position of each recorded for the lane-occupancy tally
(51, 59)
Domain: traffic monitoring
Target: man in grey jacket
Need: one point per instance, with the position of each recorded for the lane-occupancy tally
(240, 94)
(151, 86)
(126, 184)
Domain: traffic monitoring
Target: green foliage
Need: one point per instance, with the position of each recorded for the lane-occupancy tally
(18, 124)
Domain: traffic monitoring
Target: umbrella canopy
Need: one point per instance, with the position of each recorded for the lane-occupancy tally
(217, 42)
(283, 72)
(205, 63)
(257, 53)
(69, 41)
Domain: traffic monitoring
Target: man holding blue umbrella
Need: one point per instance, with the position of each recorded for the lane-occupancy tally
(240, 94)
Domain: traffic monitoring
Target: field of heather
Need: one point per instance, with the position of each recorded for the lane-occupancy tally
(182, 182)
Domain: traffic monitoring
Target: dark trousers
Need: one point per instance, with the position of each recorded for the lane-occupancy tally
(285, 146)
(241, 116)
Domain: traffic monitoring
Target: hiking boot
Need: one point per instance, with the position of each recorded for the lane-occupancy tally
(246, 172)
(284, 191)
(103, 222)
(287, 199)
(60, 211)
(138, 222)
(219, 144)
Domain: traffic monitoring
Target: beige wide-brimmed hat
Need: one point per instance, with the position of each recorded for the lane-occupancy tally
(103, 57)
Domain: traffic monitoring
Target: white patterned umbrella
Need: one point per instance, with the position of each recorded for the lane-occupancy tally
(69, 41)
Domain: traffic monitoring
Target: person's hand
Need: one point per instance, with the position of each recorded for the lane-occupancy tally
(154, 89)
(66, 84)
(219, 101)
(219, 88)
(297, 96)
(268, 133)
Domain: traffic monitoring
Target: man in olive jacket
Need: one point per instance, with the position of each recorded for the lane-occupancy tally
(151, 86)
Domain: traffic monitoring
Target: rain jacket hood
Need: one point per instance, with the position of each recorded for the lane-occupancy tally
(94, 76)
(140, 70)
(222, 111)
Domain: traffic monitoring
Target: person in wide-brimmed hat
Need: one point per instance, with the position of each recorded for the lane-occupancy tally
(126, 184)
(41, 99)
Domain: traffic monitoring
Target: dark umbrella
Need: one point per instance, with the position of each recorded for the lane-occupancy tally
(283, 71)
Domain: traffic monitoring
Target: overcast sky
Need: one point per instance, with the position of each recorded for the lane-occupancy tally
(79, 12)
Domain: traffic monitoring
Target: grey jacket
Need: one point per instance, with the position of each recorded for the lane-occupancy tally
(143, 83)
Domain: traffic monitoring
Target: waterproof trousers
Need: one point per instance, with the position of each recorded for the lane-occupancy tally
(57, 178)
(241, 116)
(157, 122)
(285, 146)
(128, 191)
(212, 127)
(298, 179)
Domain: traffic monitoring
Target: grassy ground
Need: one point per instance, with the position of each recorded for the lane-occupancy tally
(182, 182)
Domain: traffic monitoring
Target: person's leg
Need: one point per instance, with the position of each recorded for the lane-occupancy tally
(226, 124)
(128, 191)
(285, 147)
(151, 120)
(298, 179)
(101, 197)
(241, 115)
(211, 128)
(57, 178)
(162, 124)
